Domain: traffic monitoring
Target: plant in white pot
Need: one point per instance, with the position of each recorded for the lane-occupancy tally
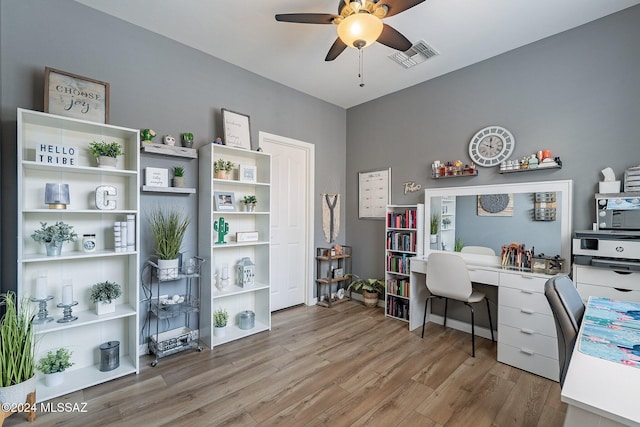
(434, 224)
(53, 236)
(53, 366)
(371, 289)
(106, 153)
(220, 319)
(103, 295)
(168, 228)
(178, 177)
(249, 203)
(17, 354)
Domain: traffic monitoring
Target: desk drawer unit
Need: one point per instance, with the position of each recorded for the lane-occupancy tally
(486, 277)
(600, 282)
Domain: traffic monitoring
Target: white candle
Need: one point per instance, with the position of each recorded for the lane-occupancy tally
(41, 287)
(67, 295)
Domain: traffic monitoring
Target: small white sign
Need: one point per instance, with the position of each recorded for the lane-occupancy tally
(156, 177)
(246, 236)
(53, 154)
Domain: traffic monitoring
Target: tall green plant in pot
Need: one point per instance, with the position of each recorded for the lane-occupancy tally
(17, 353)
(168, 228)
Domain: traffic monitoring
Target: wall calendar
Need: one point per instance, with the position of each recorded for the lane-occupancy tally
(374, 193)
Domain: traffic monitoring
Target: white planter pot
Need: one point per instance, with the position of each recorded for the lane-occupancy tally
(105, 307)
(107, 162)
(167, 269)
(52, 380)
(433, 238)
(220, 332)
(18, 393)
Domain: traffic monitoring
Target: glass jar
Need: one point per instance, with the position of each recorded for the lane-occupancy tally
(88, 242)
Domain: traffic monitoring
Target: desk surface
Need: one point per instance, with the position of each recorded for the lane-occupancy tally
(602, 387)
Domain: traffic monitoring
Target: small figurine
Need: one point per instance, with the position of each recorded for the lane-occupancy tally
(218, 141)
(146, 135)
(338, 249)
(169, 140)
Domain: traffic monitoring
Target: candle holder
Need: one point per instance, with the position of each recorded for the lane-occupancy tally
(42, 311)
(67, 317)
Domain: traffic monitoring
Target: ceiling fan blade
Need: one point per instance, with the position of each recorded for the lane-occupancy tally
(307, 18)
(397, 6)
(336, 49)
(394, 39)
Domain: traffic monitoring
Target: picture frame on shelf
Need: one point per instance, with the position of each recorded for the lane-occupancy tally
(156, 177)
(224, 201)
(237, 129)
(247, 173)
(246, 236)
(72, 95)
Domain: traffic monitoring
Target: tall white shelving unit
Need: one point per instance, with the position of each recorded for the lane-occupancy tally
(80, 269)
(234, 298)
(445, 207)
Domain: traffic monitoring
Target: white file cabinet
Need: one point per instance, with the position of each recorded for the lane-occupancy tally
(602, 282)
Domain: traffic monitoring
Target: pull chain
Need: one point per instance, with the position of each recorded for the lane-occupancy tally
(360, 67)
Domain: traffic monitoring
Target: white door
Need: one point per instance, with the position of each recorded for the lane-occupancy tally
(292, 174)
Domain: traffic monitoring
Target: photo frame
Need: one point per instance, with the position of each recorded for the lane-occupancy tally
(237, 129)
(247, 173)
(224, 201)
(374, 193)
(72, 95)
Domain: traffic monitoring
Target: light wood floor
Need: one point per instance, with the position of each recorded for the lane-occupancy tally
(344, 366)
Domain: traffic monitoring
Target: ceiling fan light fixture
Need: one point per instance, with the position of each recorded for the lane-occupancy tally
(360, 30)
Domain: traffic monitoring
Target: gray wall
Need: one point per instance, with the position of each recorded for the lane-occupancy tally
(576, 93)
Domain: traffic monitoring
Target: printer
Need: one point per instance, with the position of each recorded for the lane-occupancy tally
(611, 249)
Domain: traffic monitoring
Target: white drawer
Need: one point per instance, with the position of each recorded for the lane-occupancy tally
(586, 290)
(522, 281)
(529, 361)
(527, 339)
(527, 301)
(604, 277)
(533, 322)
(486, 277)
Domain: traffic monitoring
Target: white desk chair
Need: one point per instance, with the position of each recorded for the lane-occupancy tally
(448, 277)
(480, 250)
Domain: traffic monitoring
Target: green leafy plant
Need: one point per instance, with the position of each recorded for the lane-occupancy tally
(434, 223)
(220, 317)
(187, 136)
(168, 229)
(105, 292)
(249, 200)
(57, 233)
(446, 222)
(458, 245)
(369, 285)
(17, 352)
(147, 134)
(108, 149)
(178, 171)
(223, 165)
(55, 362)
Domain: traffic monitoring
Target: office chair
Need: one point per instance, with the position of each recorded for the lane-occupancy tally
(448, 278)
(568, 311)
(480, 250)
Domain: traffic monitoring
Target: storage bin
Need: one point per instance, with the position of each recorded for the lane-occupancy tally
(247, 319)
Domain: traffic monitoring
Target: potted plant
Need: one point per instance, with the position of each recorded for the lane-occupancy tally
(222, 168)
(249, 203)
(178, 177)
(103, 295)
(458, 245)
(53, 236)
(371, 288)
(187, 139)
(220, 318)
(146, 135)
(106, 153)
(53, 366)
(17, 354)
(446, 222)
(433, 227)
(168, 229)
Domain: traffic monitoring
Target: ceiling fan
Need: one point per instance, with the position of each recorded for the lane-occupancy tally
(359, 24)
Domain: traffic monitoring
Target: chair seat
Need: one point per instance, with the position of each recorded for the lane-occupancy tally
(475, 296)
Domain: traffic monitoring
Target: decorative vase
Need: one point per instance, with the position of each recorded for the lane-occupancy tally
(107, 162)
(433, 238)
(370, 298)
(53, 249)
(179, 181)
(249, 207)
(53, 379)
(220, 331)
(105, 307)
(222, 175)
(167, 269)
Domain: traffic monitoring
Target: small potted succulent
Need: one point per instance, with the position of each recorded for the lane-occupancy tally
(223, 168)
(103, 295)
(178, 177)
(53, 236)
(146, 135)
(106, 153)
(220, 319)
(187, 140)
(53, 366)
(249, 203)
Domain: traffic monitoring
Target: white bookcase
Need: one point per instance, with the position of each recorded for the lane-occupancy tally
(80, 269)
(445, 207)
(235, 298)
(403, 240)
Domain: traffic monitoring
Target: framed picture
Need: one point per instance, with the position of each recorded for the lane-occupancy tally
(156, 177)
(247, 173)
(71, 95)
(246, 236)
(374, 193)
(224, 200)
(236, 128)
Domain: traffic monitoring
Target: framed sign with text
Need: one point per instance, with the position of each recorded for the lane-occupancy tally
(374, 193)
(71, 95)
(236, 128)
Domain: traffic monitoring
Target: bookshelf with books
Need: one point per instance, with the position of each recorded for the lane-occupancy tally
(403, 230)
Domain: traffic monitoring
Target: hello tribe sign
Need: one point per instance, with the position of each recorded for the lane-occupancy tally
(53, 154)
(71, 95)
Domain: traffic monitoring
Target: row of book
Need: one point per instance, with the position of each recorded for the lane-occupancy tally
(515, 256)
(398, 307)
(408, 219)
(398, 287)
(124, 234)
(398, 263)
(401, 241)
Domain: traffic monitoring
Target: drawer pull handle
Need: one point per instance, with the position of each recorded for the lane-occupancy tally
(622, 290)
(527, 311)
(526, 351)
(527, 331)
(526, 292)
(527, 277)
(622, 272)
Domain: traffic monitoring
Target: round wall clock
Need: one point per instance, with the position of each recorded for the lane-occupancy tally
(491, 146)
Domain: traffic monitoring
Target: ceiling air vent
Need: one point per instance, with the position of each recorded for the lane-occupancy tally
(415, 55)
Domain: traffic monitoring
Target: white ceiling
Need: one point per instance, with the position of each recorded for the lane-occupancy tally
(245, 33)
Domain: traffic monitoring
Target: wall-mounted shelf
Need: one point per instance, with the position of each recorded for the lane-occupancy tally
(475, 173)
(533, 169)
(172, 190)
(169, 150)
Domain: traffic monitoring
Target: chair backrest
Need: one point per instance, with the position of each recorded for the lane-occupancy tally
(480, 250)
(447, 276)
(568, 311)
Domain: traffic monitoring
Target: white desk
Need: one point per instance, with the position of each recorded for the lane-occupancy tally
(526, 328)
(600, 392)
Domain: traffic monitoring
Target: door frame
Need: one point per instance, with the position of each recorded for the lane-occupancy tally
(309, 206)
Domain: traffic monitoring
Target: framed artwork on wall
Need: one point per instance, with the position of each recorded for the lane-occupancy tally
(237, 129)
(71, 95)
(374, 193)
(224, 200)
